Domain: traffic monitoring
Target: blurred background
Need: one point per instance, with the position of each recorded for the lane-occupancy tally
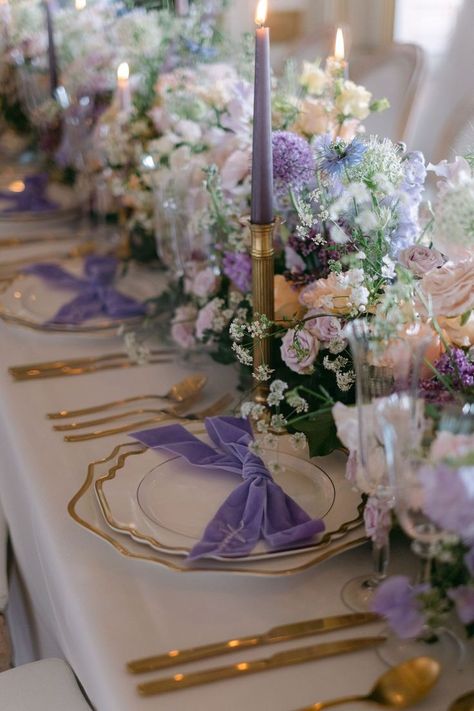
(417, 53)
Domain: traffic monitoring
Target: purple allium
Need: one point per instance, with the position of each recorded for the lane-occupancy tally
(293, 163)
(237, 266)
(398, 602)
(463, 598)
(333, 157)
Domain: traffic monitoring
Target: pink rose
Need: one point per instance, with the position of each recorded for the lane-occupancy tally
(325, 328)
(206, 317)
(204, 283)
(299, 350)
(420, 260)
(450, 288)
(448, 445)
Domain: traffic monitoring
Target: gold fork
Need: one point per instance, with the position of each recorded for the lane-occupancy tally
(217, 407)
(179, 392)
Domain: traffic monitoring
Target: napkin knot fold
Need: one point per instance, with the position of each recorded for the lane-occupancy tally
(96, 293)
(257, 508)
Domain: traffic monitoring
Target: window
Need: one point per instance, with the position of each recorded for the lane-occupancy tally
(428, 23)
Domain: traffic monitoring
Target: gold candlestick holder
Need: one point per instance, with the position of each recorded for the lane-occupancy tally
(262, 252)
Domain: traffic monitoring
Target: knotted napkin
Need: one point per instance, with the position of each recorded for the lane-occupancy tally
(96, 295)
(257, 508)
(32, 198)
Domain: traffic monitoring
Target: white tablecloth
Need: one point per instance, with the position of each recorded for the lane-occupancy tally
(99, 609)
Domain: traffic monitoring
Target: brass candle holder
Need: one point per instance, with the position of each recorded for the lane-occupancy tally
(262, 253)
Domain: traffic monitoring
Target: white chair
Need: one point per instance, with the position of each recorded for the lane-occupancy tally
(47, 685)
(395, 73)
(458, 134)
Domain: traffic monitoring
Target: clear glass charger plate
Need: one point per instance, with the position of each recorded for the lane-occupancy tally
(68, 206)
(84, 509)
(29, 301)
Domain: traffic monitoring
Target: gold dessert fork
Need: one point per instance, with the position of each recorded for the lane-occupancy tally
(179, 392)
(167, 414)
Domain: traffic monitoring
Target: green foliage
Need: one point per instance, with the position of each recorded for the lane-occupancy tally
(142, 245)
(320, 432)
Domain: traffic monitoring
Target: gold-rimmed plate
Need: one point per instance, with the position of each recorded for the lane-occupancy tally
(163, 501)
(85, 511)
(30, 302)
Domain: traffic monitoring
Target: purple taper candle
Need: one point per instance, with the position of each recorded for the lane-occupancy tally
(262, 161)
(53, 65)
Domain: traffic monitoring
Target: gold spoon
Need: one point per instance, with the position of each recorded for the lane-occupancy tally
(400, 687)
(463, 703)
(179, 392)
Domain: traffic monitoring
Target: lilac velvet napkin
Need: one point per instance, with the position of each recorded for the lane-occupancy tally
(96, 295)
(32, 199)
(257, 508)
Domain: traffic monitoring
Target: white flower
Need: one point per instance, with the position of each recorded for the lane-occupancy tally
(298, 440)
(190, 131)
(354, 101)
(388, 270)
(313, 78)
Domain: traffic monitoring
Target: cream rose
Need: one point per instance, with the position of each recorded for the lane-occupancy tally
(313, 78)
(338, 294)
(354, 101)
(458, 333)
(450, 288)
(313, 118)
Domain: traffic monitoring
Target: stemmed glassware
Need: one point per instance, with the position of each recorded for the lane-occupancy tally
(380, 369)
(411, 465)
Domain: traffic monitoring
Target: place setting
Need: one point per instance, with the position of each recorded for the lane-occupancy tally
(237, 258)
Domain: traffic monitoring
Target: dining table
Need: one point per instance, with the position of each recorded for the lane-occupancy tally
(77, 597)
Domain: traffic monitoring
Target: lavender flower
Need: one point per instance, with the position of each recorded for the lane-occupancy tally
(237, 266)
(463, 598)
(457, 368)
(293, 163)
(398, 601)
(407, 200)
(448, 498)
(334, 157)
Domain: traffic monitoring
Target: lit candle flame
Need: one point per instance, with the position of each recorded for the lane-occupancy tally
(81, 4)
(123, 71)
(261, 13)
(339, 48)
(17, 186)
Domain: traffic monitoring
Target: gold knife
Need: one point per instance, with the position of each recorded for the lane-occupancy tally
(83, 370)
(282, 659)
(283, 633)
(34, 369)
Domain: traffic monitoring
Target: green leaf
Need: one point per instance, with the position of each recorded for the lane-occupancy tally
(321, 433)
(465, 317)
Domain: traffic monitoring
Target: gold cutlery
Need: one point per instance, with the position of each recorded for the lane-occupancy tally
(35, 369)
(179, 392)
(282, 633)
(463, 703)
(400, 687)
(73, 426)
(217, 407)
(34, 239)
(86, 369)
(276, 661)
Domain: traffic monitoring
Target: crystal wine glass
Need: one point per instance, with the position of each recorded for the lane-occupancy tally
(412, 469)
(381, 368)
